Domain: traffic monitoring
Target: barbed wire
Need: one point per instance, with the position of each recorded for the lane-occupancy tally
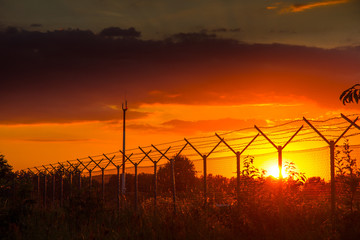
(205, 143)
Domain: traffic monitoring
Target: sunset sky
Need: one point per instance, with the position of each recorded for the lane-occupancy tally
(186, 68)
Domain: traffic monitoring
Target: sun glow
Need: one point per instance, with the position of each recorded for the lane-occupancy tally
(274, 171)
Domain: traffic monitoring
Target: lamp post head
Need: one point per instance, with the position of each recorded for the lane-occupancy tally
(124, 106)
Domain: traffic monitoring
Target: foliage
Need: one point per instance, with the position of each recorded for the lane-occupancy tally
(348, 175)
(220, 189)
(346, 165)
(351, 94)
(15, 195)
(185, 175)
(269, 208)
(6, 177)
(294, 176)
(249, 170)
(5, 168)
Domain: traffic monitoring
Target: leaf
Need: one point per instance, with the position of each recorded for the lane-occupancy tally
(351, 96)
(356, 95)
(347, 97)
(343, 94)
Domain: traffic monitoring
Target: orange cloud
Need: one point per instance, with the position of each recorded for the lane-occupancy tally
(302, 7)
(193, 127)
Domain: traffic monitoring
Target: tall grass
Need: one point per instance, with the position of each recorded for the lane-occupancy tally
(193, 220)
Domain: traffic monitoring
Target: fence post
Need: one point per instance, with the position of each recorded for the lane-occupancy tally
(89, 169)
(118, 187)
(103, 173)
(155, 170)
(70, 180)
(102, 184)
(136, 187)
(32, 174)
(332, 145)
(53, 173)
(333, 189)
(172, 170)
(238, 178)
(281, 199)
(38, 186)
(79, 180)
(279, 150)
(61, 190)
(204, 157)
(45, 189)
(173, 183)
(155, 185)
(238, 155)
(118, 195)
(45, 186)
(53, 188)
(90, 181)
(97, 164)
(136, 178)
(205, 175)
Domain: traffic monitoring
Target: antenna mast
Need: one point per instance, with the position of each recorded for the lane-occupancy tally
(124, 108)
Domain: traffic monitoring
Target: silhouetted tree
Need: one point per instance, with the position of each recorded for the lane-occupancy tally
(351, 94)
(5, 168)
(6, 177)
(185, 178)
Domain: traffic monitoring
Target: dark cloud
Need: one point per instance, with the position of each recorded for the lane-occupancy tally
(192, 37)
(220, 30)
(36, 25)
(31, 109)
(235, 30)
(10, 30)
(118, 32)
(225, 30)
(283, 31)
(76, 75)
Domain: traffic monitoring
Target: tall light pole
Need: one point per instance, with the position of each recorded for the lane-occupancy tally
(124, 108)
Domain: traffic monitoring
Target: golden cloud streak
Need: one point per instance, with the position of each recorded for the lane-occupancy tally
(302, 7)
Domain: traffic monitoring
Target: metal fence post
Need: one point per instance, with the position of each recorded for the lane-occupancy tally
(102, 184)
(332, 145)
(205, 175)
(204, 157)
(173, 183)
(238, 172)
(136, 187)
(332, 173)
(238, 178)
(118, 187)
(155, 185)
(61, 190)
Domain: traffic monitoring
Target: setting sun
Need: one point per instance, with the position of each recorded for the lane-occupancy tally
(274, 171)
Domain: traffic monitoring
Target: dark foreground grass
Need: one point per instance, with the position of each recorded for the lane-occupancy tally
(191, 221)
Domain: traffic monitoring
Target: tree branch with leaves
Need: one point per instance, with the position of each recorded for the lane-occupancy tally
(350, 95)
